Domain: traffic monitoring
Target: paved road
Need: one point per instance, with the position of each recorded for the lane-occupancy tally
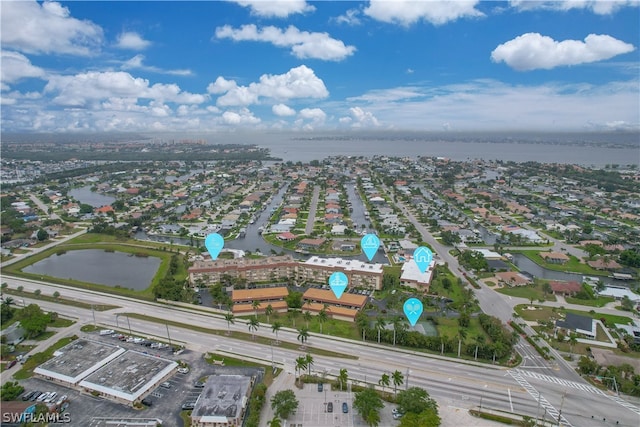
(43, 207)
(457, 384)
(313, 207)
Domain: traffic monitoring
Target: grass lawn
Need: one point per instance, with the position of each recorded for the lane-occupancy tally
(335, 327)
(230, 361)
(573, 265)
(529, 292)
(61, 323)
(80, 243)
(72, 303)
(262, 336)
(548, 313)
(598, 302)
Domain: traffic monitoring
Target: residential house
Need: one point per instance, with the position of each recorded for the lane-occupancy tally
(565, 288)
(554, 257)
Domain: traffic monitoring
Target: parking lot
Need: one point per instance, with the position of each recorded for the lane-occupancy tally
(312, 406)
(165, 403)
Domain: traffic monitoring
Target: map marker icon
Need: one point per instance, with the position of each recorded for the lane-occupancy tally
(370, 244)
(338, 282)
(214, 244)
(412, 309)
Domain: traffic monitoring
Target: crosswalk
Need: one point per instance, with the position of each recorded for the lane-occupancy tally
(560, 381)
(516, 374)
(576, 385)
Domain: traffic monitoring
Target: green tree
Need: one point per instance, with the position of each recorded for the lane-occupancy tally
(255, 304)
(253, 326)
(308, 359)
(384, 381)
(274, 422)
(368, 404)
(268, 312)
(462, 334)
(398, 380)
(42, 235)
(301, 365)
(33, 320)
(322, 317)
(275, 328)
(416, 400)
(307, 317)
(423, 419)
(398, 326)
(294, 300)
(230, 318)
(284, 403)
(56, 294)
(380, 325)
(303, 335)
(11, 390)
(343, 377)
(6, 310)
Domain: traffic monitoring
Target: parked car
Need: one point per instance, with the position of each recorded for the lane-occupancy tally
(28, 395)
(165, 385)
(183, 370)
(345, 408)
(320, 386)
(330, 407)
(35, 396)
(188, 405)
(147, 402)
(12, 364)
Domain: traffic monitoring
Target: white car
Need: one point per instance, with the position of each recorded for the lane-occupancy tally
(183, 370)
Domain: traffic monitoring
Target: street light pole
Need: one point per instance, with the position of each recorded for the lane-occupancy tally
(94, 315)
(168, 336)
(128, 323)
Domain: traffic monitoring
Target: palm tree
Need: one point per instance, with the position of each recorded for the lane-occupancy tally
(462, 334)
(268, 311)
(573, 339)
(255, 304)
(301, 364)
(479, 341)
(398, 380)
(398, 323)
(322, 317)
(303, 335)
(229, 317)
(380, 324)
(275, 328)
(443, 340)
(384, 381)
(253, 326)
(274, 422)
(343, 377)
(309, 361)
(307, 316)
(292, 315)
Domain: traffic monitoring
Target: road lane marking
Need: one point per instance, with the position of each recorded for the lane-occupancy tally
(510, 401)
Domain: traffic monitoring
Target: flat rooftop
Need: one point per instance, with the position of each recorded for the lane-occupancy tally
(223, 397)
(78, 359)
(130, 375)
(354, 266)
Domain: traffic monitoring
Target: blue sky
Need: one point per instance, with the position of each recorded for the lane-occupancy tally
(301, 65)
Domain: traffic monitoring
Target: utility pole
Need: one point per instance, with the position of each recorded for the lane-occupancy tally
(128, 323)
(561, 405)
(93, 312)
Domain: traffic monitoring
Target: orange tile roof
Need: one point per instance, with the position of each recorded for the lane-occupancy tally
(248, 308)
(259, 294)
(327, 296)
(331, 310)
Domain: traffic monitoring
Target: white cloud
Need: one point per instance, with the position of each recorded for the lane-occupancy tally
(283, 110)
(407, 12)
(136, 63)
(533, 51)
(599, 7)
(242, 117)
(315, 114)
(16, 66)
(350, 17)
(47, 28)
(276, 8)
(132, 41)
(221, 85)
(84, 90)
(493, 105)
(299, 82)
(361, 118)
(303, 44)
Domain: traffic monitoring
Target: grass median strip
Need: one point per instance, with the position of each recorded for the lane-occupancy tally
(61, 300)
(241, 336)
